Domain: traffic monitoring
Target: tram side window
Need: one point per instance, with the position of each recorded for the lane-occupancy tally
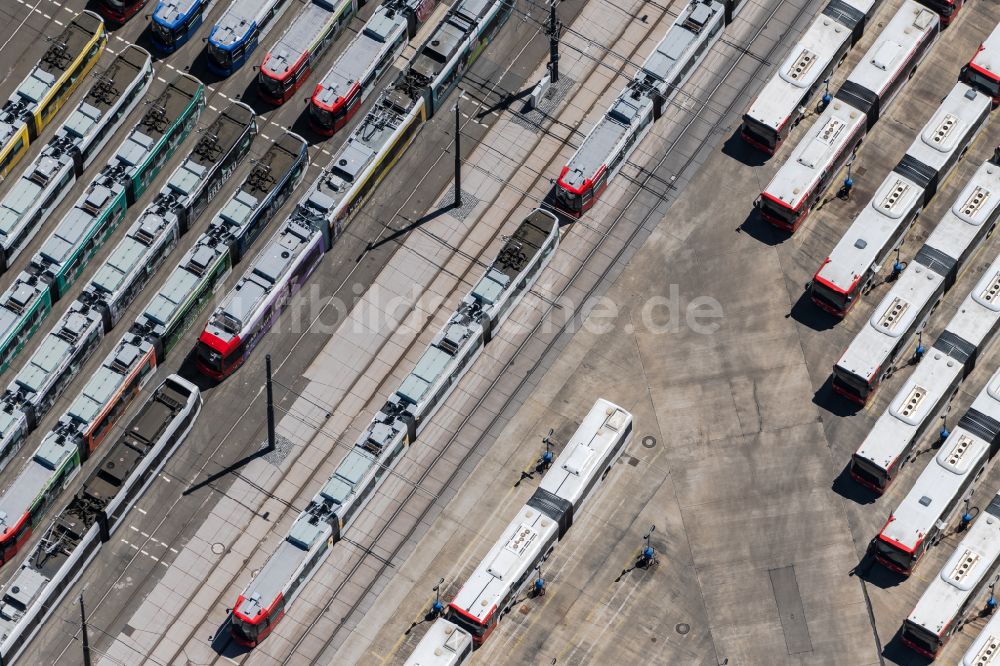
(392, 155)
(495, 22)
(119, 405)
(449, 79)
(12, 153)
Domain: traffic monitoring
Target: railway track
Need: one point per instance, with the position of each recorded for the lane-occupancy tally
(152, 536)
(546, 345)
(462, 280)
(647, 179)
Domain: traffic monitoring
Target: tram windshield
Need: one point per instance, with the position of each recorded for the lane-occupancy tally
(274, 87)
(164, 33)
(220, 55)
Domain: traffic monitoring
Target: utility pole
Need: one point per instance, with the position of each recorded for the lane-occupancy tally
(553, 31)
(458, 153)
(271, 443)
(83, 629)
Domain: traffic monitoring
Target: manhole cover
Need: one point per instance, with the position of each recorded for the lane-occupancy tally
(682, 628)
(218, 548)
(649, 441)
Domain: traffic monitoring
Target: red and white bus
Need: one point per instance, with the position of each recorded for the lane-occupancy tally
(783, 99)
(866, 94)
(921, 520)
(946, 9)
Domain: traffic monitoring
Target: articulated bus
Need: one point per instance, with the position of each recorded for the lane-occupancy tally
(783, 100)
(922, 519)
(955, 592)
(42, 93)
(929, 391)
(873, 84)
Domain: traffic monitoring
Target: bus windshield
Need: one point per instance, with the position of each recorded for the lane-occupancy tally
(835, 299)
(894, 555)
(473, 628)
(987, 84)
(775, 211)
(848, 381)
(920, 637)
(758, 133)
(868, 471)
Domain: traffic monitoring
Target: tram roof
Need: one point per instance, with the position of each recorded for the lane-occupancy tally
(241, 17)
(634, 103)
(306, 28)
(172, 12)
(362, 54)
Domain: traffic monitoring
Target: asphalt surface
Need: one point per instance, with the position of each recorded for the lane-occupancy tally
(757, 530)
